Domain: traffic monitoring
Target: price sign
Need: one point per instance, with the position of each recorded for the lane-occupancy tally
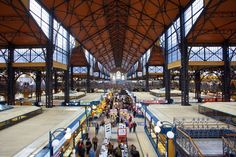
(108, 130)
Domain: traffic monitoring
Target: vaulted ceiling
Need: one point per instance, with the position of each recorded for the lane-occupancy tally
(116, 32)
(216, 25)
(17, 27)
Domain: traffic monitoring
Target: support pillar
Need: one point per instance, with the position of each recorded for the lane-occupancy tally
(49, 65)
(67, 72)
(184, 63)
(11, 77)
(55, 82)
(180, 81)
(88, 79)
(71, 78)
(166, 73)
(99, 75)
(66, 86)
(226, 73)
(147, 78)
(49, 79)
(163, 78)
(38, 86)
(197, 81)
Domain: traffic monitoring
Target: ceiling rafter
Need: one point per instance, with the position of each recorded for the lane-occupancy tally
(95, 25)
(143, 5)
(149, 27)
(18, 26)
(216, 24)
(117, 32)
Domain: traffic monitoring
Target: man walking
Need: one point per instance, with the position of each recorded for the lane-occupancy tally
(134, 126)
(95, 142)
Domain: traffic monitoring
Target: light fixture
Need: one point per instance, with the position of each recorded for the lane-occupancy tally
(94, 107)
(68, 133)
(55, 142)
(170, 135)
(68, 130)
(157, 129)
(67, 136)
(159, 123)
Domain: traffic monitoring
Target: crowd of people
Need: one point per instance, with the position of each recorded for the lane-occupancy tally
(88, 149)
(124, 114)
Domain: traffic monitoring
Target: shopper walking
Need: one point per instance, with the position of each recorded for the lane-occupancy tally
(130, 126)
(92, 153)
(110, 148)
(96, 128)
(88, 145)
(130, 118)
(95, 142)
(134, 113)
(134, 126)
(81, 149)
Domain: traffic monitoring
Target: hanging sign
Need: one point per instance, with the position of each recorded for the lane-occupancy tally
(108, 130)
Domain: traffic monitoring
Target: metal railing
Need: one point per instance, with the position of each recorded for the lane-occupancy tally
(204, 127)
(229, 145)
(200, 123)
(187, 144)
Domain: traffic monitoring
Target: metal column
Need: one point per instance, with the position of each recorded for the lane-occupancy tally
(184, 63)
(66, 86)
(67, 72)
(38, 86)
(163, 78)
(166, 72)
(55, 82)
(10, 77)
(226, 72)
(99, 75)
(180, 81)
(147, 78)
(49, 64)
(88, 79)
(71, 78)
(197, 80)
(49, 80)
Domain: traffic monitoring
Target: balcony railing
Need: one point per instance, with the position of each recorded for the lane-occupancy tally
(187, 144)
(229, 145)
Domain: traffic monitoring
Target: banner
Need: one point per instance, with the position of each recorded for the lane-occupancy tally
(108, 130)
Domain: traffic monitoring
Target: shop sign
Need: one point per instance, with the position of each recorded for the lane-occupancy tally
(108, 130)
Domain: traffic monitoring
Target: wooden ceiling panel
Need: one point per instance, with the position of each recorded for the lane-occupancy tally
(116, 27)
(217, 25)
(156, 57)
(17, 26)
(82, 10)
(78, 57)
